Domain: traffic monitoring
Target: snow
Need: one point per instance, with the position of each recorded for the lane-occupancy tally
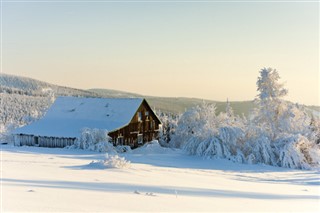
(111, 161)
(152, 147)
(69, 115)
(159, 180)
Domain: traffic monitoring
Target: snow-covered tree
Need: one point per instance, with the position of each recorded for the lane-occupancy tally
(94, 140)
(169, 124)
(315, 129)
(229, 111)
(205, 134)
(198, 122)
(269, 102)
(278, 132)
(276, 116)
(18, 110)
(228, 118)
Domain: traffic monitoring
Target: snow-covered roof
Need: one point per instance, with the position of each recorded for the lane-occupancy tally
(68, 115)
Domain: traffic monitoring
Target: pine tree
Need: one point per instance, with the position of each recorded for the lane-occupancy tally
(270, 105)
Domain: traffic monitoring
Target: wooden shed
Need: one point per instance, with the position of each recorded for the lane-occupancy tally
(130, 121)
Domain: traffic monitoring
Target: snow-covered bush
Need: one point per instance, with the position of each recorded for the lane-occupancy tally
(232, 138)
(210, 148)
(95, 140)
(259, 150)
(315, 130)
(297, 152)
(224, 144)
(192, 144)
(198, 122)
(111, 161)
(228, 118)
(205, 134)
(186, 127)
(115, 161)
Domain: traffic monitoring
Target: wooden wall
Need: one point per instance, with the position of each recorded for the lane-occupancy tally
(53, 142)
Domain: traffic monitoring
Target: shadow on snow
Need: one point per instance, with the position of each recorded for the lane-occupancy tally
(130, 188)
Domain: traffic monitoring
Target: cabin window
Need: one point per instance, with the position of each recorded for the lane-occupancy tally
(139, 116)
(151, 124)
(147, 115)
(140, 139)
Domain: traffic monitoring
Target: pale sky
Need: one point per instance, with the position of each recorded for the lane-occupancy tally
(211, 50)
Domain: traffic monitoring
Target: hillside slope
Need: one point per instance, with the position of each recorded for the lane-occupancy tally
(23, 100)
(29, 86)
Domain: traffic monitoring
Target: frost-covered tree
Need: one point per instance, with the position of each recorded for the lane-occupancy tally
(94, 140)
(268, 86)
(18, 110)
(228, 118)
(276, 116)
(315, 129)
(169, 124)
(269, 102)
(278, 132)
(205, 134)
(198, 122)
(229, 110)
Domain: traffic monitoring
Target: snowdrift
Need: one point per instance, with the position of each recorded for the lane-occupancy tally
(152, 147)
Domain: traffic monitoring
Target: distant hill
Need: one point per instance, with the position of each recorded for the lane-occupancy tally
(29, 86)
(180, 105)
(110, 93)
(316, 108)
(176, 104)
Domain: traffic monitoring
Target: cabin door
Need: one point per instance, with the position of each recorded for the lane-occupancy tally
(140, 139)
(120, 140)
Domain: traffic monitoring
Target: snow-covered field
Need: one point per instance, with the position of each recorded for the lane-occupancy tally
(159, 180)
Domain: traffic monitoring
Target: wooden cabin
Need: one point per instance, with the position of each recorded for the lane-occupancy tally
(143, 127)
(129, 121)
